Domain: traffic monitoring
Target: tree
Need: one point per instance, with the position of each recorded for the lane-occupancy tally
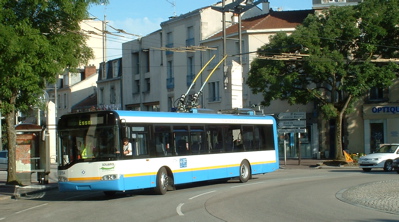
(340, 48)
(38, 40)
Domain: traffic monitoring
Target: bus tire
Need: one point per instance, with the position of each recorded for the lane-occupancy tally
(162, 182)
(245, 171)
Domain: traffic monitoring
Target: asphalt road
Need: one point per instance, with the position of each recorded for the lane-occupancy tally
(308, 194)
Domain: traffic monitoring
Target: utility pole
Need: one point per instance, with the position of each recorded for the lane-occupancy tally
(104, 44)
(225, 78)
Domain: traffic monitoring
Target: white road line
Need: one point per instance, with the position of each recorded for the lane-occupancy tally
(201, 194)
(41, 205)
(178, 209)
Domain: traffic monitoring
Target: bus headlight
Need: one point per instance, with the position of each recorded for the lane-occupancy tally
(110, 177)
(62, 179)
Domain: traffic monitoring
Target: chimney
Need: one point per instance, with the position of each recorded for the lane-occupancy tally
(89, 70)
(266, 7)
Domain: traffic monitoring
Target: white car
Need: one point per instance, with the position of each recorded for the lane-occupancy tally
(3, 160)
(381, 158)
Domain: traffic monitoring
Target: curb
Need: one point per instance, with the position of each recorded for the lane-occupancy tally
(24, 191)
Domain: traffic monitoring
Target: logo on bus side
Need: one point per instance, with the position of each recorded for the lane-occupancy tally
(183, 162)
(108, 166)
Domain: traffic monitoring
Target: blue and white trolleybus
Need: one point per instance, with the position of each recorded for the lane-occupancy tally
(166, 149)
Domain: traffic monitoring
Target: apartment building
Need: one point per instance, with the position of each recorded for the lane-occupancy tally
(75, 91)
(162, 66)
(109, 93)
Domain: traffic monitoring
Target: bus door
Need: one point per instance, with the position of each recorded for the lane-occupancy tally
(181, 139)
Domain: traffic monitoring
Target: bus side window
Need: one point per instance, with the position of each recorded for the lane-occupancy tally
(163, 138)
(248, 137)
(181, 145)
(140, 144)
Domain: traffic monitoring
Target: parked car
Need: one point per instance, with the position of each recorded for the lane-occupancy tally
(381, 158)
(395, 165)
(3, 160)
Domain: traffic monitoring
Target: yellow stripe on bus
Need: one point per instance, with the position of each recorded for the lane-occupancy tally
(140, 174)
(84, 179)
(196, 169)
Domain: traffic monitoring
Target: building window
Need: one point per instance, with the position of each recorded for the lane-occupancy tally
(170, 103)
(65, 101)
(103, 70)
(136, 63)
(101, 96)
(190, 70)
(112, 98)
(154, 108)
(137, 86)
(190, 36)
(215, 61)
(115, 68)
(214, 95)
(376, 94)
(170, 81)
(146, 57)
(59, 101)
(147, 84)
(169, 42)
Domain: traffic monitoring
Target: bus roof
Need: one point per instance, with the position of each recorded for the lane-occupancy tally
(173, 117)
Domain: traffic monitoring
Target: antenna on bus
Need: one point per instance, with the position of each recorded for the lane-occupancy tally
(186, 105)
(182, 100)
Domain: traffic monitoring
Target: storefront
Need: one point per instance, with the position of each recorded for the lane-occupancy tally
(381, 125)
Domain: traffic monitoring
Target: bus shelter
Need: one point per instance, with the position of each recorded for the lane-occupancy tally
(32, 154)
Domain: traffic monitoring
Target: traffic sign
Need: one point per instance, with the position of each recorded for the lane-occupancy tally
(292, 124)
(292, 115)
(291, 130)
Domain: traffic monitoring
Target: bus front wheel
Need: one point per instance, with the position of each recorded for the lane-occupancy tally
(245, 171)
(162, 181)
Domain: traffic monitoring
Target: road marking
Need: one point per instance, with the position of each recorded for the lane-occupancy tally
(201, 194)
(178, 209)
(31, 208)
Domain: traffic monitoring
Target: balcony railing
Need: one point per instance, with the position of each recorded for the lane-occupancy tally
(169, 45)
(190, 42)
(170, 83)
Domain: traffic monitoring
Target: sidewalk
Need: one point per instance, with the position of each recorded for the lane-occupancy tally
(309, 163)
(15, 192)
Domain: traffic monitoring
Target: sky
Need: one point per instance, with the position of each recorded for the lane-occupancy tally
(144, 17)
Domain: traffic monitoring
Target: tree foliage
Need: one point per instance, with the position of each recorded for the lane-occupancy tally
(340, 49)
(38, 40)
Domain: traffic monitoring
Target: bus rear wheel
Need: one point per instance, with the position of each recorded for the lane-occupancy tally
(162, 182)
(245, 171)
